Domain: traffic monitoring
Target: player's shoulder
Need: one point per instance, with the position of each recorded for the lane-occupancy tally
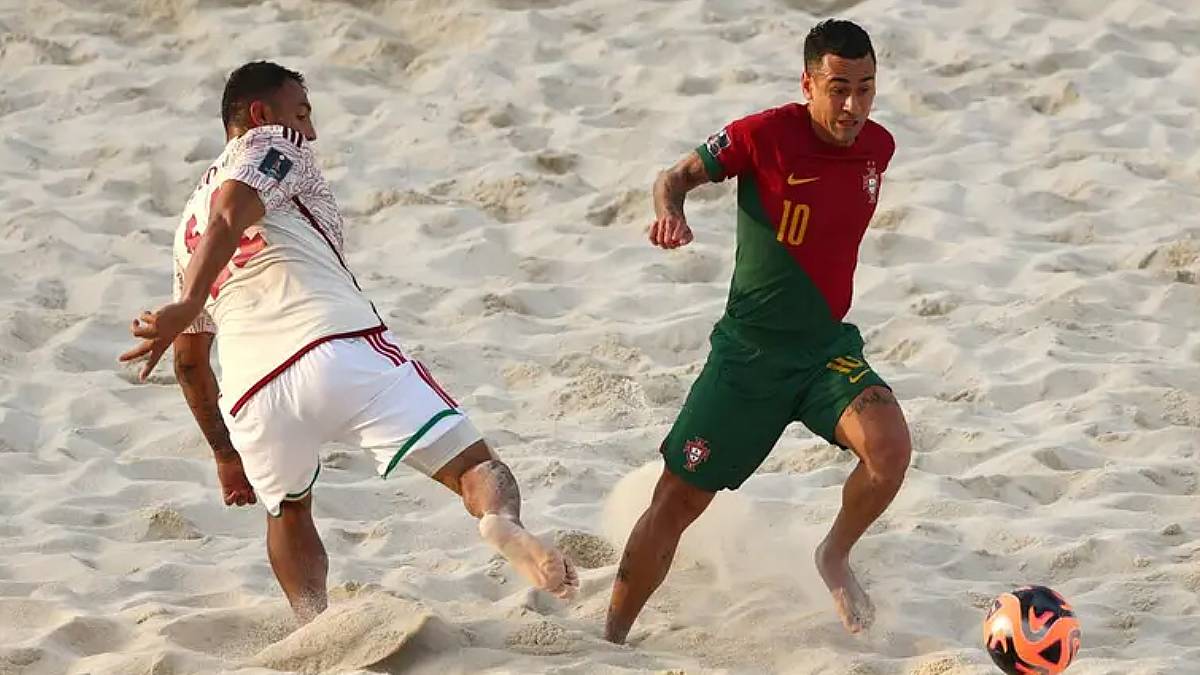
(770, 118)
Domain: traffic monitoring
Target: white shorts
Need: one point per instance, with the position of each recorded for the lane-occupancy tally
(360, 391)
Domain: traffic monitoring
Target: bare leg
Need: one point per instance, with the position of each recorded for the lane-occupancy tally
(874, 427)
(298, 558)
(650, 550)
(490, 493)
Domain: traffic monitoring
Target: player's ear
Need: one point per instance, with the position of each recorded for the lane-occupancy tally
(260, 113)
(806, 84)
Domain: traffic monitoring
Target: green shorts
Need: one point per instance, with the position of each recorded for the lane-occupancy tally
(745, 397)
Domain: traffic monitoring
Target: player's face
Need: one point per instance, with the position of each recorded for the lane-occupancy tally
(289, 106)
(840, 93)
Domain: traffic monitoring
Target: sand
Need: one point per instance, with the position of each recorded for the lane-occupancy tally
(1029, 287)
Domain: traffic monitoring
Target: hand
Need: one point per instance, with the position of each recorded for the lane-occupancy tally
(670, 231)
(235, 488)
(158, 330)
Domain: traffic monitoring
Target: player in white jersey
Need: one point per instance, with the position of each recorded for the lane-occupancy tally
(304, 356)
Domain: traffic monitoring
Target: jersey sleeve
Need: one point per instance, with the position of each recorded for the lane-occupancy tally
(731, 151)
(202, 323)
(277, 162)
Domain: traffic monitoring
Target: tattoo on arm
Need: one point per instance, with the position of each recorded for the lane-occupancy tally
(672, 185)
(200, 388)
(874, 396)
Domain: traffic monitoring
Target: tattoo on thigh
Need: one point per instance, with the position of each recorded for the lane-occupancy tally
(877, 396)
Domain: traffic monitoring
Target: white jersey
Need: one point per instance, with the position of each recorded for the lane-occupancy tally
(287, 288)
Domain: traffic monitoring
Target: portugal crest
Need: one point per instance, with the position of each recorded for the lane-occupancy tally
(695, 452)
(871, 182)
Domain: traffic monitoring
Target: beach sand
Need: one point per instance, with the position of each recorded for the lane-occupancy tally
(1028, 286)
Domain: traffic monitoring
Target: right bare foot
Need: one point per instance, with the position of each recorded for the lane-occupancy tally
(852, 603)
(544, 566)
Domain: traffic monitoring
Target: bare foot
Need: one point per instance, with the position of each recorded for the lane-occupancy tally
(544, 566)
(852, 603)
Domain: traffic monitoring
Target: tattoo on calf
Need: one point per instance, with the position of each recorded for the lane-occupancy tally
(506, 485)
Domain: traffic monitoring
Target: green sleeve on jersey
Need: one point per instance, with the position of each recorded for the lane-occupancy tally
(711, 165)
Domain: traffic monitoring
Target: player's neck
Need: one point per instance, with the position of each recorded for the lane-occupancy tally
(825, 137)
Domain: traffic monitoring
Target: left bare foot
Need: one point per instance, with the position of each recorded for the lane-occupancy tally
(544, 566)
(852, 603)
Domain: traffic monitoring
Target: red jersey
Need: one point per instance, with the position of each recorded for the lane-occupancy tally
(803, 208)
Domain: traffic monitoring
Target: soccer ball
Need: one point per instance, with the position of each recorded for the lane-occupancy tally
(1031, 630)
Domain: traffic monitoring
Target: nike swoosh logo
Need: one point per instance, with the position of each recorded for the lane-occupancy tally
(791, 180)
(854, 380)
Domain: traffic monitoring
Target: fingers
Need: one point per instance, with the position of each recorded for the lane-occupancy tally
(145, 327)
(156, 351)
(670, 232)
(682, 234)
(240, 496)
(656, 233)
(137, 352)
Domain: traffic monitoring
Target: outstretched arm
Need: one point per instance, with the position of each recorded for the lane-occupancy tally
(236, 207)
(670, 228)
(194, 372)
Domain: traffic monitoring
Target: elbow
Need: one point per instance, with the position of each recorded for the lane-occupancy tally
(666, 181)
(660, 180)
(221, 228)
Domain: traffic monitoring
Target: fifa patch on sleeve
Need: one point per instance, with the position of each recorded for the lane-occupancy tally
(275, 165)
(717, 142)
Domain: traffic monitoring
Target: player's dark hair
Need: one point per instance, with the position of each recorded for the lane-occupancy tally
(838, 37)
(252, 82)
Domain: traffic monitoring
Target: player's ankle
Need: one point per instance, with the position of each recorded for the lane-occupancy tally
(831, 552)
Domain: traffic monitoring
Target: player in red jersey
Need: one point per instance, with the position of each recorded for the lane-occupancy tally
(809, 178)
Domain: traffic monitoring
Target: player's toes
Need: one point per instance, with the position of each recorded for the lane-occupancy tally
(861, 603)
(848, 610)
(560, 578)
(570, 585)
(866, 612)
(556, 578)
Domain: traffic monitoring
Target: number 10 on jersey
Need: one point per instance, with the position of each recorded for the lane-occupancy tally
(793, 224)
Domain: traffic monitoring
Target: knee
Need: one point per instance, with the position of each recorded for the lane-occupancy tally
(293, 513)
(887, 457)
(669, 518)
(675, 508)
(491, 474)
(490, 467)
(489, 487)
(295, 507)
